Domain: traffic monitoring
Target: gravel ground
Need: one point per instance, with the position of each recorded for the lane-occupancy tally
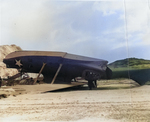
(130, 104)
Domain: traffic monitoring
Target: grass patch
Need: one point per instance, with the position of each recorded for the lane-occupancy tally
(147, 83)
(139, 75)
(120, 83)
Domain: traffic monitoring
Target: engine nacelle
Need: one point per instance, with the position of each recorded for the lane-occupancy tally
(91, 75)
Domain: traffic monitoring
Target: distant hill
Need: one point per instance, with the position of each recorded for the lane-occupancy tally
(131, 63)
(4, 51)
(132, 68)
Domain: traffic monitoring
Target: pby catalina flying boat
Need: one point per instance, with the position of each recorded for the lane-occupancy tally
(59, 67)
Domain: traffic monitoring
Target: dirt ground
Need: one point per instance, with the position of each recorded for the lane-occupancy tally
(110, 102)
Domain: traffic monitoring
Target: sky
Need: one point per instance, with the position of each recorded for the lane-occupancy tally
(103, 29)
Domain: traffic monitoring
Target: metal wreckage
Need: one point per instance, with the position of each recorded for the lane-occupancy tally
(59, 67)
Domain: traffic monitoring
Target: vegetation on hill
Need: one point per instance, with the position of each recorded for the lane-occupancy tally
(131, 63)
(132, 68)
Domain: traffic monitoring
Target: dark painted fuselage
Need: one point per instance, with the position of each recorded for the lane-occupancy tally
(72, 65)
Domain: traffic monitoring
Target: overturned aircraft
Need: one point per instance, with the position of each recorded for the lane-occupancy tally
(59, 67)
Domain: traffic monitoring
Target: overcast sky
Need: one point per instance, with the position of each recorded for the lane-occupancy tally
(106, 29)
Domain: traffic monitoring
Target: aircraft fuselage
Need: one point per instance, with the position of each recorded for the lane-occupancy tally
(72, 65)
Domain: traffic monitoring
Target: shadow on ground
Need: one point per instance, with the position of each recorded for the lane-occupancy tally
(99, 87)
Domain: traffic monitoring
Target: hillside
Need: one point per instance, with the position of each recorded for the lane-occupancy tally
(4, 51)
(134, 63)
(132, 68)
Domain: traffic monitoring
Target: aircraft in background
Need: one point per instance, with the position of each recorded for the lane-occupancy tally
(59, 67)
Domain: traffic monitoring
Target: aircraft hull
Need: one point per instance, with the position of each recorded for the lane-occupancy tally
(72, 65)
